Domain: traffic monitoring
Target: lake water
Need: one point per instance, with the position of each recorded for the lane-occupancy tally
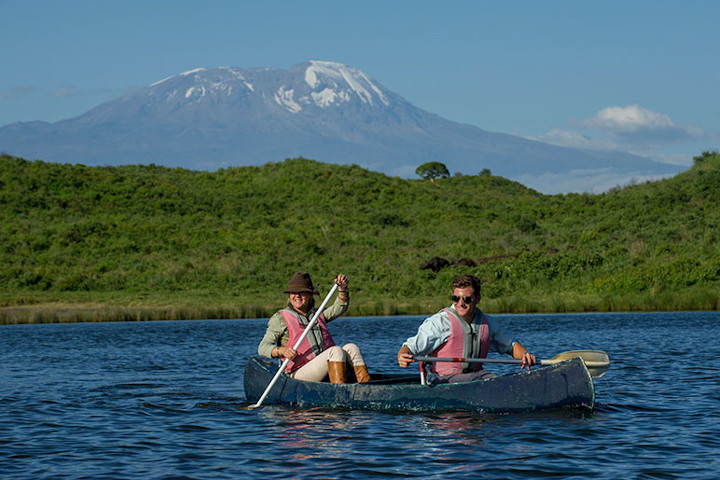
(165, 400)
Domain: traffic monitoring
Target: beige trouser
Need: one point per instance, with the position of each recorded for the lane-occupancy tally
(317, 369)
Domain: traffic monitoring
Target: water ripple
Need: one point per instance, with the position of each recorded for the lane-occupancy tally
(164, 400)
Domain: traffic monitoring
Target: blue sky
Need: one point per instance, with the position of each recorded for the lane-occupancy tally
(639, 76)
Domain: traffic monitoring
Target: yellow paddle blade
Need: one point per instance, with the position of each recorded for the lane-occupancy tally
(596, 361)
(594, 356)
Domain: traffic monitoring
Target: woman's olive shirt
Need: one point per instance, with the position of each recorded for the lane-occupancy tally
(277, 332)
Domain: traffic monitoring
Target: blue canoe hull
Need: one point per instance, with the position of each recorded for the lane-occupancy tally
(567, 384)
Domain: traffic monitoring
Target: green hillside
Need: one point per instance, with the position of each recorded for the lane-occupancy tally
(145, 242)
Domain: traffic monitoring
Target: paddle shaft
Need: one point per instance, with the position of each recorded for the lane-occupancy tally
(588, 363)
(297, 345)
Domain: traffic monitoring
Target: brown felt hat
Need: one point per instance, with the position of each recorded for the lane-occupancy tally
(301, 282)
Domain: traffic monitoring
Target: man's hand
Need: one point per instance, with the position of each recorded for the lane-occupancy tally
(405, 357)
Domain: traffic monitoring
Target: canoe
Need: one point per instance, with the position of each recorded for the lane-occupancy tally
(566, 384)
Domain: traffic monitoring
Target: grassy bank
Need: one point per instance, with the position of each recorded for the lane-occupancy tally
(68, 309)
(136, 242)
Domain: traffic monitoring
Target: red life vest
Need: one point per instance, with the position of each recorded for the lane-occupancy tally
(461, 344)
(310, 346)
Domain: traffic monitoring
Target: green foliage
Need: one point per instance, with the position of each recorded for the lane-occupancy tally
(432, 170)
(229, 240)
(705, 155)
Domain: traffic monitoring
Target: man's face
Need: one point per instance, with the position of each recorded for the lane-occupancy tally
(466, 302)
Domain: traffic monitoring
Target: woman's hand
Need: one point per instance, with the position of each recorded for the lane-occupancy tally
(342, 282)
(286, 352)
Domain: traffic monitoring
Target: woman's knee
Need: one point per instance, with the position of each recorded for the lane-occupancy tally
(351, 348)
(336, 354)
(353, 354)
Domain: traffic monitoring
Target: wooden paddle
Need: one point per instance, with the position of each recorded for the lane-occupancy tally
(596, 361)
(297, 345)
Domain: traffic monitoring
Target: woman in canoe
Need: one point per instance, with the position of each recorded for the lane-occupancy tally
(317, 356)
(461, 330)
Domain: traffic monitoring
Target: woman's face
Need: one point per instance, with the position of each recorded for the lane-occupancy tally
(301, 301)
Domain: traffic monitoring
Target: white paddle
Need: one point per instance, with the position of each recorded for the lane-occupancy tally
(297, 345)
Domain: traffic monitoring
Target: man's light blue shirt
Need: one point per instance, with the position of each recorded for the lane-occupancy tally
(435, 330)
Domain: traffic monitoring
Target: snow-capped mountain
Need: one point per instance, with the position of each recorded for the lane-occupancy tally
(211, 118)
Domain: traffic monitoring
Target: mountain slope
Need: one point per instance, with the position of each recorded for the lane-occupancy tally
(211, 118)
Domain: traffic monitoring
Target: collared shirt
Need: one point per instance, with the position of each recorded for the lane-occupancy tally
(277, 332)
(435, 330)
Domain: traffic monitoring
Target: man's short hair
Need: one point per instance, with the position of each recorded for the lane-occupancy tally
(463, 281)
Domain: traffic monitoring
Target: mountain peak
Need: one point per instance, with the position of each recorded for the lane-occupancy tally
(315, 83)
(183, 74)
(330, 81)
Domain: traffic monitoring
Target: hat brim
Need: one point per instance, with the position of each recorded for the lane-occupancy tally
(301, 290)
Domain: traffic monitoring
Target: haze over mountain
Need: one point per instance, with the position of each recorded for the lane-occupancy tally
(206, 119)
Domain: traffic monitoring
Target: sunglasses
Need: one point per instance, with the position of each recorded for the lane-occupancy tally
(456, 299)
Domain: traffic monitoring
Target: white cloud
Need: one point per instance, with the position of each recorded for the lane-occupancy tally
(567, 137)
(584, 181)
(629, 119)
(681, 159)
(636, 125)
(633, 129)
(574, 139)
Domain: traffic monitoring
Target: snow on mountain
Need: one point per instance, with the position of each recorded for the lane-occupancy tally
(209, 118)
(334, 76)
(325, 84)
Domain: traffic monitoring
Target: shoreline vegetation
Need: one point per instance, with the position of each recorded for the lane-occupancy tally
(134, 311)
(140, 243)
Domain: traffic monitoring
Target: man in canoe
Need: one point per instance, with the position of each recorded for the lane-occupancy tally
(317, 356)
(461, 330)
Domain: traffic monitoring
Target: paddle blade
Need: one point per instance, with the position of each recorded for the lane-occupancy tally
(596, 361)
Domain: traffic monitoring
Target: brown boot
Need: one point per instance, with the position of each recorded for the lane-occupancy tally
(361, 373)
(336, 372)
